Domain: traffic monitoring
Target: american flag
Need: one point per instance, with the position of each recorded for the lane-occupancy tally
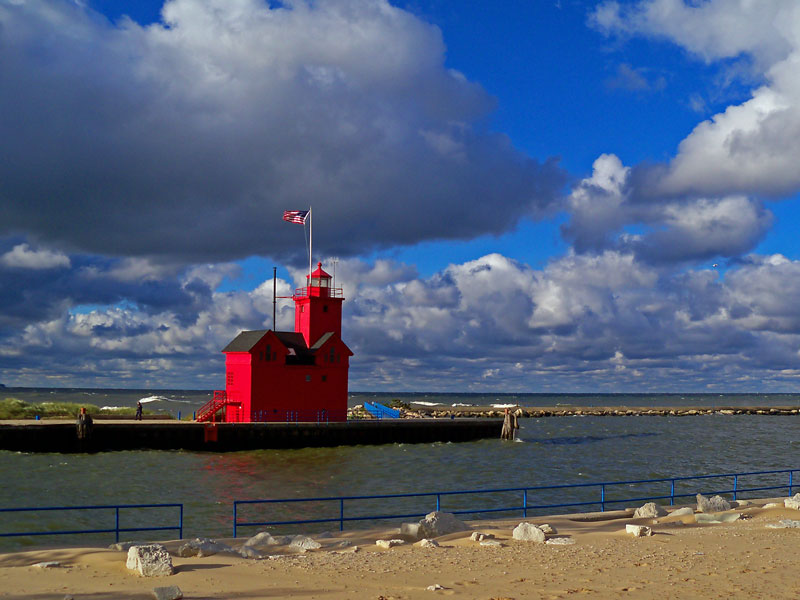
(295, 216)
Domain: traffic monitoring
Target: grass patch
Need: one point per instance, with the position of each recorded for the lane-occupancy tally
(14, 408)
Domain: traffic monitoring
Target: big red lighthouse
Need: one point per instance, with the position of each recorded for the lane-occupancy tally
(289, 376)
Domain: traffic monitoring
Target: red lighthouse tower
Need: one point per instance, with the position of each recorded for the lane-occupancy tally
(289, 376)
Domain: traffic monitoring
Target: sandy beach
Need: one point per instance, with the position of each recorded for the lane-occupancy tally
(682, 559)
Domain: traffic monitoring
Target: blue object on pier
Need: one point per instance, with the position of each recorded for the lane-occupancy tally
(379, 411)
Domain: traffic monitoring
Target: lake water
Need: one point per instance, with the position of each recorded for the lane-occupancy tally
(551, 451)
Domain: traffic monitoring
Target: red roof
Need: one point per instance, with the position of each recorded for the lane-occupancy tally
(319, 273)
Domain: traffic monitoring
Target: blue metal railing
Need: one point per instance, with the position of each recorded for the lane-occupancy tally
(115, 530)
(524, 506)
(379, 411)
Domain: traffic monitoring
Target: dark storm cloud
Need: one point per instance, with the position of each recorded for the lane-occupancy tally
(188, 138)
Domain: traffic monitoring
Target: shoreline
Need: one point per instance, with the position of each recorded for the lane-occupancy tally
(683, 558)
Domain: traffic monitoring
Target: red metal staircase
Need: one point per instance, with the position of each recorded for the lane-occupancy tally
(209, 410)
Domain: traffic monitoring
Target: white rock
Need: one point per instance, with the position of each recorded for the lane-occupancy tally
(528, 532)
(638, 530)
(713, 504)
(435, 587)
(562, 541)
(742, 503)
(440, 523)
(793, 502)
(389, 543)
(262, 538)
(479, 537)
(48, 564)
(426, 543)
(682, 512)
(651, 510)
(773, 505)
(303, 542)
(547, 528)
(151, 560)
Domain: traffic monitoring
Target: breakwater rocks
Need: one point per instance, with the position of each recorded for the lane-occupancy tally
(443, 412)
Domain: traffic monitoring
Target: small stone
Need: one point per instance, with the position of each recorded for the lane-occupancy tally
(170, 592)
(682, 512)
(389, 543)
(435, 587)
(479, 537)
(773, 505)
(547, 528)
(742, 503)
(427, 543)
(561, 541)
(49, 564)
(638, 530)
(651, 510)
(490, 543)
(528, 532)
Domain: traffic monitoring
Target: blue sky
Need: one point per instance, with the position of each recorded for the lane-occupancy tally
(522, 196)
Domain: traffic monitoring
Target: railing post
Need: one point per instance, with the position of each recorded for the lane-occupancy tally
(603, 497)
(790, 482)
(672, 493)
(524, 503)
(341, 514)
(180, 524)
(735, 485)
(438, 502)
(235, 506)
(116, 523)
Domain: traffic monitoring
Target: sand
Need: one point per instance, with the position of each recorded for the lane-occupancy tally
(683, 559)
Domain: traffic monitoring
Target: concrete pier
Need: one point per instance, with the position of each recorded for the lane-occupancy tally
(61, 436)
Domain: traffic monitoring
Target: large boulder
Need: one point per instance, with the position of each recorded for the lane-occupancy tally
(713, 504)
(440, 523)
(651, 510)
(528, 532)
(793, 502)
(151, 560)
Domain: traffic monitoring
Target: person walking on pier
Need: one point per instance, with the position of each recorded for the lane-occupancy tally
(138, 411)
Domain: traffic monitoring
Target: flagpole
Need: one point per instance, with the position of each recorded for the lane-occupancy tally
(310, 246)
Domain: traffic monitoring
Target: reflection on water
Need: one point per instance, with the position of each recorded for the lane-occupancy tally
(557, 451)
